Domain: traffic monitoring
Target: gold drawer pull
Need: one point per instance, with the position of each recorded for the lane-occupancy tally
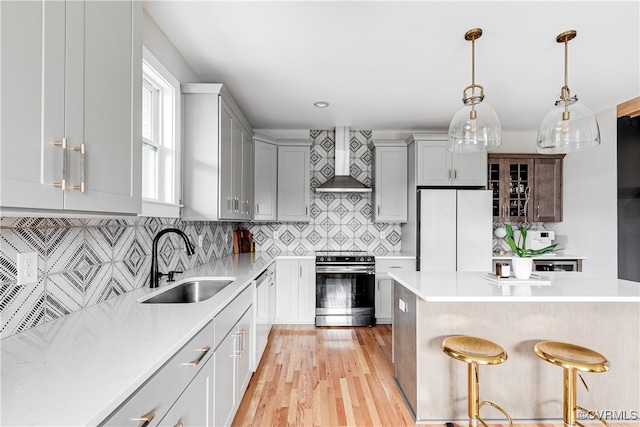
(196, 362)
(83, 166)
(63, 182)
(146, 418)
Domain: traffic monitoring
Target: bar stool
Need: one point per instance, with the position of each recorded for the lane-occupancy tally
(475, 351)
(572, 358)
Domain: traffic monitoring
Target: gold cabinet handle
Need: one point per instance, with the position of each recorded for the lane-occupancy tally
(146, 419)
(179, 424)
(63, 182)
(240, 345)
(83, 165)
(197, 361)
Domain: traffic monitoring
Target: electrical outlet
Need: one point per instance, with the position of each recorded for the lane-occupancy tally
(27, 264)
(402, 305)
(200, 239)
(383, 235)
(275, 234)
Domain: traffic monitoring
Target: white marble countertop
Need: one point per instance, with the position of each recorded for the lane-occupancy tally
(475, 287)
(74, 371)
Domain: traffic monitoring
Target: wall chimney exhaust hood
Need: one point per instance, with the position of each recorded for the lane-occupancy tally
(342, 182)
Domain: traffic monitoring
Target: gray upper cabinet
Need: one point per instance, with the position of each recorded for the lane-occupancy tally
(265, 178)
(436, 166)
(71, 106)
(217, 155)
(294, 181)
(390, 181)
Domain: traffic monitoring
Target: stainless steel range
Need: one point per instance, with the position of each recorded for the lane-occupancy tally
(345, 288)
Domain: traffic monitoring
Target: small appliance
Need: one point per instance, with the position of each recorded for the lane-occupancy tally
(538, 239)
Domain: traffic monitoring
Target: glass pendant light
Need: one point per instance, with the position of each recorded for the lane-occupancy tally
(475, 127)
(569, 126)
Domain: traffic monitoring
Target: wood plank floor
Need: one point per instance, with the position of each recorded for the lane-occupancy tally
(312, 376)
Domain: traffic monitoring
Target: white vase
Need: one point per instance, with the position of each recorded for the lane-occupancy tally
(522, 267)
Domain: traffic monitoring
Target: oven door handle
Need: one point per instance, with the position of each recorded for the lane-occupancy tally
(340, 270)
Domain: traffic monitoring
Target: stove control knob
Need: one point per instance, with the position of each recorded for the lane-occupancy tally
(321, 259)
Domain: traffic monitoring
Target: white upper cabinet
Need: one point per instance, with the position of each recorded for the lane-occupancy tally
(390, 181)
(71, 105)
(217, 155)
(294, 181)
(436, 166)
(246, 195)
(265, 178)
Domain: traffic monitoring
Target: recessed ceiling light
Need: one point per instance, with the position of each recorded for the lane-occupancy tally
(321, 104)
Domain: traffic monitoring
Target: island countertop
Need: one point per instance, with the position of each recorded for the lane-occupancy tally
(477, 287)
(579, 308)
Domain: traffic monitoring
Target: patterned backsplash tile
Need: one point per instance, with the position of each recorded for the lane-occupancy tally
(82, 262)
(339, 221)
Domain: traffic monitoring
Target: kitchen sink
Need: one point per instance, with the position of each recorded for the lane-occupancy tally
(196, 290)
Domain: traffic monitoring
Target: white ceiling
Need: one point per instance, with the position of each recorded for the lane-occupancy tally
(389, 65)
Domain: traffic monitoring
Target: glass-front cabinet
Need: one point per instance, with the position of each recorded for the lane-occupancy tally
(526, 187)
(510, 180)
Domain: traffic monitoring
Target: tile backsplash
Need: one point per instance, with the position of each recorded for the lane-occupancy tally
(82, 262)
(339, 221)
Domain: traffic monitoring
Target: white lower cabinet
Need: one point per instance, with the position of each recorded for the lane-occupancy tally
(203, 384)
(224, 399)
(193, 407)
(295, 290)
(384, 286)
(233, 368)
(151, 402)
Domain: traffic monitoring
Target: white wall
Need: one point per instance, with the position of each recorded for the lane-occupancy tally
(589, 224)
(159, 45)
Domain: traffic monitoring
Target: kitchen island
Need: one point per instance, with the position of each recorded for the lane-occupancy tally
(599, 313)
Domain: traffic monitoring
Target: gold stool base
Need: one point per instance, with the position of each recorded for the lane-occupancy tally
(475, 351)
(572, 358)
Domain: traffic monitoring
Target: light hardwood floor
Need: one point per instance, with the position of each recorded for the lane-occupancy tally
(312, 376)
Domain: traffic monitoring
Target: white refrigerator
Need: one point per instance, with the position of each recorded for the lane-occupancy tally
(454, 230)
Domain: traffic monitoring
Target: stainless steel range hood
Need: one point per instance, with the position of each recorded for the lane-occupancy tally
(342, 182)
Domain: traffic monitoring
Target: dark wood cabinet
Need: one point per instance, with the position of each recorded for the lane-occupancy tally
(526, 187)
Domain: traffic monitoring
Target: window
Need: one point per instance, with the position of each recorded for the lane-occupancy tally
(160, 140)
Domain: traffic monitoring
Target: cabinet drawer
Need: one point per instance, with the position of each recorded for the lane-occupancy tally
(383, 266)
(157, 395)
(229, 316)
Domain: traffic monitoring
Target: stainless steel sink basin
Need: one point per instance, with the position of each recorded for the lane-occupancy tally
(192, 291)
